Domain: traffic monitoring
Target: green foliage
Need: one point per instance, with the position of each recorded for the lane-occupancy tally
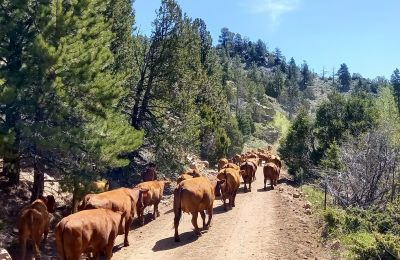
(395, 81)
(331, 159)
(339, 115)
(296, 148)
(246, 124)
(275, 86)
(344, 78)
(388, 116)
(365, 233)
(282, 124)
(306, 76)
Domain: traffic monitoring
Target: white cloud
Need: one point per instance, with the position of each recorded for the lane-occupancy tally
(273, 8)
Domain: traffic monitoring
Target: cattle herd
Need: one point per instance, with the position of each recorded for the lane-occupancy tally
(101, 217)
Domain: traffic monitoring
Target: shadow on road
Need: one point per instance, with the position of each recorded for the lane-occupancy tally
(219, 209)
(262, 189)
(169, 242)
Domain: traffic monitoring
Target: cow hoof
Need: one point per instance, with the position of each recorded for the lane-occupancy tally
(177, 239)
(126, 244)
(265, 188)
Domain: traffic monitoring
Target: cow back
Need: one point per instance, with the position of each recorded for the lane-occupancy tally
(195, 194)
(271, 171)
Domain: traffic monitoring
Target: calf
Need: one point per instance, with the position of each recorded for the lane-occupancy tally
(271, 172)
(123, 199)
(231, 182)
(33, 223)
(152, 197)
(89, 231)
(195, 196)
(248, 171)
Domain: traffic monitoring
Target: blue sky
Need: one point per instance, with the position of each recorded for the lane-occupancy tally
(364, 34)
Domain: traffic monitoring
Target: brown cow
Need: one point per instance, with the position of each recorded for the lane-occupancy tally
(195, 196)
(271, 172)
(275, 159)
(93, 187)
(89, 231)
(183, 177)
(263, 157)
(33, 223)
(152, 197)
(231, 165)
(230, 185)
(222, 162)
(150, 173)
(248, 170)
(123, 199)
(193, 172)
(237, 159)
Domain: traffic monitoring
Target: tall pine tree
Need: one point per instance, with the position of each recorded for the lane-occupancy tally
(344, 78)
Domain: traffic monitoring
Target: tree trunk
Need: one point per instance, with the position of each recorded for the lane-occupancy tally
(38, 180)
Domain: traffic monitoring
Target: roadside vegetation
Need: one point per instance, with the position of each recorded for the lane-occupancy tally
(351, 148)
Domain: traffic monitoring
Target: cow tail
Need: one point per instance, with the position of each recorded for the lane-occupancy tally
(177, 204)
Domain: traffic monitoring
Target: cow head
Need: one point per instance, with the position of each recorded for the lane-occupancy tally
(50, 203)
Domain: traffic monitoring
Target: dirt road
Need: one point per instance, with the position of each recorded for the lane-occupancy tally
(264, 225)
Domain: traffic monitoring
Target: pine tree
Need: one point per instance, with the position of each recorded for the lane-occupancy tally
(293, 71)
(306, 77)
(344, 78)
(16, 33)
(68, 119)
(395, 81)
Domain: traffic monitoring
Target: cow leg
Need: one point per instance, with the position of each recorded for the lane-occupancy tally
(194, 223)
(96, 256)
(109, 249)
(234, 198)
(141, 216)
(272, 184)
(127, 227)
(46, 232)
(210, 214)
(249, 186)
(156, 211)
(225, 207)
(36, 242)
(23, 247)
(203, 216)
(265, 183)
